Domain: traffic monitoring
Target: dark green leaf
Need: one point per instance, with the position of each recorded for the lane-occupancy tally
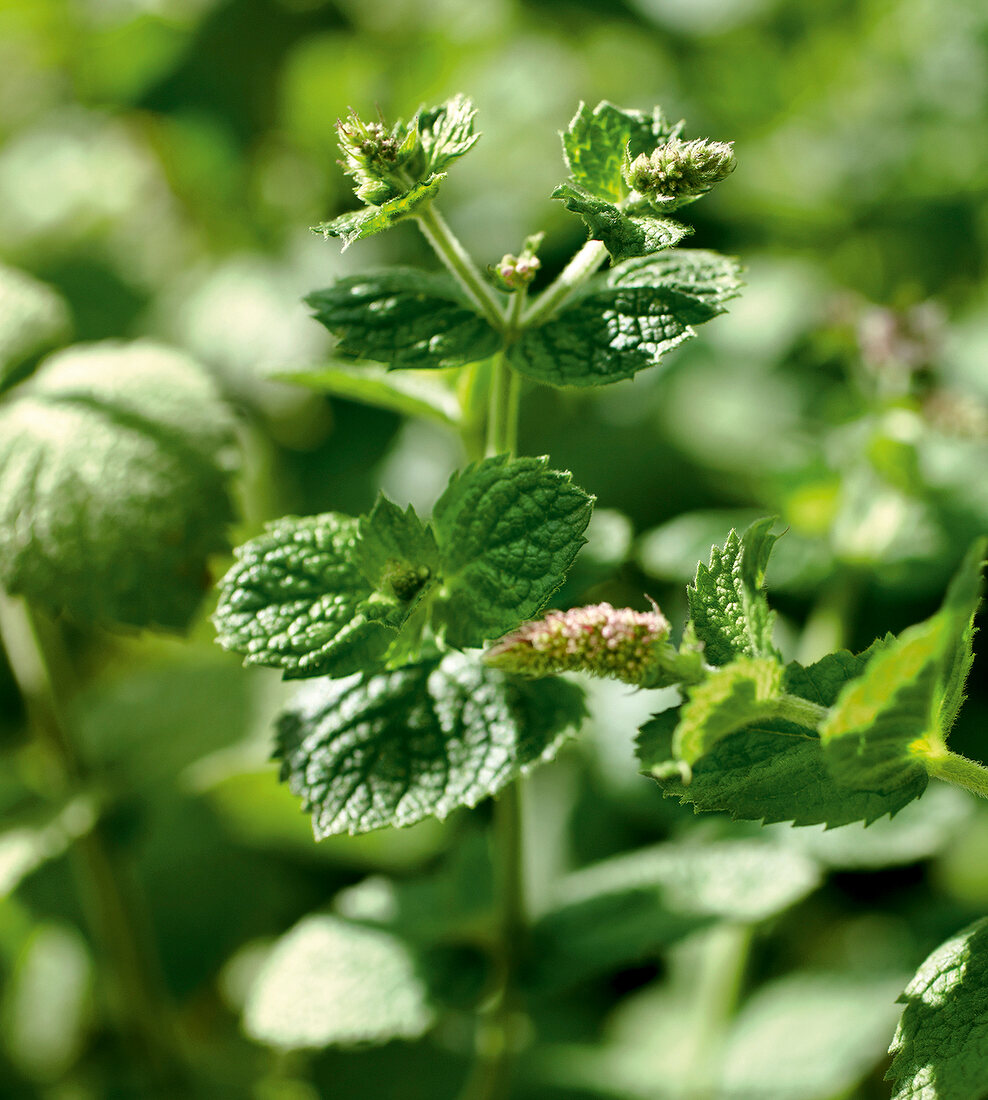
(728, 609)
(114, 468)
(624, 235)
(940, 1050)
(823, 681)
(625, 319)
(508, 531)
(393, 748)
(404, 318)
(395, 552)
(369, 220)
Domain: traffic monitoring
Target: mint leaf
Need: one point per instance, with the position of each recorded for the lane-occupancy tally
(940, 1049)
(358, 224)
(869, 733)
(596, 141)
(768, 772)
(624, 235)
(33, 318)
(405, 394)
(395, 552)
(623, 320)
(740, 693)
(296, 600)
(508, 531)
(728, 609)
(960, 606)
(823, 681)
(329, 982)
(393, 748)
(405, 318)
(446, 132)
(114, 468)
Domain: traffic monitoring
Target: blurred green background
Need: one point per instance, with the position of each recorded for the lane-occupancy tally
(160, 162)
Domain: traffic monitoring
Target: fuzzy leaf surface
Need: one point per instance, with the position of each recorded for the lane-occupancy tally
(33, 318)
(624, 235)
(395, 551)
(728, 609)
(328, 982)
(447, 132)
(940, 1049)
(114, 469)
(736, 695)
(508, 531)
(404, 318)
(595, 142)
(358, 224)
(295, 600)
(395, 747)
(623, 320)
(824, 680)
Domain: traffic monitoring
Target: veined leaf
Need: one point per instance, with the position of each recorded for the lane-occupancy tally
(114, 469)
(395, 747)
(625, 319)
(395, 551)
(404, 318)
(508, 531)
(960, 607)
(728, 609)
(367, 221)
(940, 1050)
(446, 132)
(824, 680)
(624, 235)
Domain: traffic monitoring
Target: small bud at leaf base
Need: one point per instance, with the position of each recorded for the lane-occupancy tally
(517, 272)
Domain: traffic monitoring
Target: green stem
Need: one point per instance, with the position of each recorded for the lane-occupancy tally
(505, 392)
(460, 265)
(143, 1014)
(959, 770)
(801, 711)
(576, 272)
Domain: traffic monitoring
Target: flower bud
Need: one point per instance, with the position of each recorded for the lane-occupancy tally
(517, 272)
(679, 171)
(599, 639)
(382, 161)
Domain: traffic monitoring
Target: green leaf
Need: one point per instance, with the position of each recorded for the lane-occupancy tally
(114, 469)
(329, 982)
(624, 235)
(404, 318)
(869, 734)
(33, 318)
(405, 394)
(769, 772)
(623, 320)
(295, 600)
(595, 143)
(446, 132)
(395, 552)
(940, 1049)
(393, 748)
(728, 609)
(508, 531)
(736, 695)
(824, 680)
(960, 606)
(358, 224)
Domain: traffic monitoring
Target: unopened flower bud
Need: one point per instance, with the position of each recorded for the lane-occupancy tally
(679, 171)
(517, 272)
(599, 639)
(382, 161)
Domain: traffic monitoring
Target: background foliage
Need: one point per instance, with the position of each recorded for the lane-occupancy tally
(159, 166)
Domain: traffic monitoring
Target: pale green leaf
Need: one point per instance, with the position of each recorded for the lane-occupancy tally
(367, 221)
(114, 469)
(406, 394)
(328, 982)
(404, 318)
(728, 609)
(446, 132)
(960, 607)
(33, 318)
(940, 1050)
(745, 691)
(623, 320)
(295, 600)
(508, 531)
(424, 739)
(595, 143)
(624, 235)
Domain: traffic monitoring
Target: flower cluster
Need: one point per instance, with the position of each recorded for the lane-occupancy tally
(600, 639)
(383, 162)
(679, 171)
(517, 272)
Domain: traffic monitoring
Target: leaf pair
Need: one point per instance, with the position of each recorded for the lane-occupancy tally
(332, 595)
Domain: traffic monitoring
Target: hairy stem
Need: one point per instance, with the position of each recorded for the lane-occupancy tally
(460, 265)
(143, 1013)
(505, 393)
(959, 770)
(576, 272)
(801, 711)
